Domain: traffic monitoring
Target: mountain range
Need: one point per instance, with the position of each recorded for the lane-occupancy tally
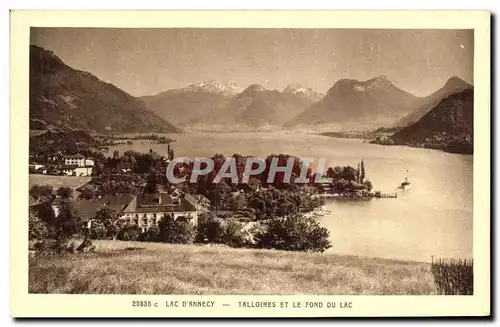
(68, 99)
(212, 105)
(348, 104)
(63, 98)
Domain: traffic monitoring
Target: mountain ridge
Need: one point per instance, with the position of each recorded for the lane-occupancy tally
(448, 126)
(349, 101)
(254, 107)
(65, 98)
(453, 85)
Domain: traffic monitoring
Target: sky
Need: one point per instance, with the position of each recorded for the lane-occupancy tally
(149, 61)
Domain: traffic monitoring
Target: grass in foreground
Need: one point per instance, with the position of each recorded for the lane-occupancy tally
(155, 268)
(453, 276)
(58, 181)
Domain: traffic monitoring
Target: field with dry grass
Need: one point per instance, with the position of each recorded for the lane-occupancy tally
(156, 268)
(58, 181)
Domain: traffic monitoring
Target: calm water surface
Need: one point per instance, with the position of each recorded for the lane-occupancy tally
(432, 218)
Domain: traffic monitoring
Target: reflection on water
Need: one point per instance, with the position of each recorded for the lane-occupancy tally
(432, 218)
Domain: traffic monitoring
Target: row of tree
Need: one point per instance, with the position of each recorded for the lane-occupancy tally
(291, 233)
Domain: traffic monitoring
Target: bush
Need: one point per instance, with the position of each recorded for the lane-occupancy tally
(453, 276)
(37, 230)
(209, 230)
(151, 235)
(129, 233)
(98, 231)
(176, 231)
(295, 233)
(222, 231)
(233, 234)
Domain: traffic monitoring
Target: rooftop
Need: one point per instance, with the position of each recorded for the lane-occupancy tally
(86, 209)
(117, 202)
(159, 203)
(74, 156)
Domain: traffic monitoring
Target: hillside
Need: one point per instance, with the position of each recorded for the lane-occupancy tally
(68, 99)
(355, 104)
(220, 106)
(133, 268)
(453, 85)
(448, 126)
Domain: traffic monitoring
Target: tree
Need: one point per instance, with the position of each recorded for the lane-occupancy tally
(66, 226)
(237, 202)
(209, 230)
(65, 192)
(170, 154)
(37, 230)
(86, 192)
(108, 218)
(368, 185)
(176, 230)
(233, 234)
(295, 233)
(362, 174)
(42, 193)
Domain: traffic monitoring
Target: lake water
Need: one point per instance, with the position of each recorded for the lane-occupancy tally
(432, 218)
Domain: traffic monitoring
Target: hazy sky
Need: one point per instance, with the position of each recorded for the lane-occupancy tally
(149, 61)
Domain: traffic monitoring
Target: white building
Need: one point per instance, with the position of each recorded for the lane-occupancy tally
(77, 171)
(78, 160)
(147, 210)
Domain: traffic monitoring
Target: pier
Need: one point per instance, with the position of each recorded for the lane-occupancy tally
(385, 195)
(377, 195)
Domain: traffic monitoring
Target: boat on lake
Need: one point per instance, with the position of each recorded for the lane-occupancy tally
(406, 184)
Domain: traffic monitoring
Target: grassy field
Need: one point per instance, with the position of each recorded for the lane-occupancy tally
(58, 181)
(155, 268)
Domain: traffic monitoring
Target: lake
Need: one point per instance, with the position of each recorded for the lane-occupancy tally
(432, 218)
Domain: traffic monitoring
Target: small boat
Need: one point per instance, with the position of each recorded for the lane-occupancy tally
(405, 184)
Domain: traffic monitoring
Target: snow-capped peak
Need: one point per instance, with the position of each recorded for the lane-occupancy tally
(297, 88)
(300, 90)
(212, 86)
(379, 81)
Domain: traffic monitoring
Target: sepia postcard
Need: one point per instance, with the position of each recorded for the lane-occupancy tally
(250, 163)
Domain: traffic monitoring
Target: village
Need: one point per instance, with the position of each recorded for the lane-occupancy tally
(133, 193)
(142, 210)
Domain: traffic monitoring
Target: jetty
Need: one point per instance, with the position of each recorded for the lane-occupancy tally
(377, 194)
(385, 195)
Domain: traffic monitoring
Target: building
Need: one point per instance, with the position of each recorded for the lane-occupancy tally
(146, 210)
(78, 160)
(89, 162)
(87, 209)
(36, 165)
(75, 170)
(38, 168)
